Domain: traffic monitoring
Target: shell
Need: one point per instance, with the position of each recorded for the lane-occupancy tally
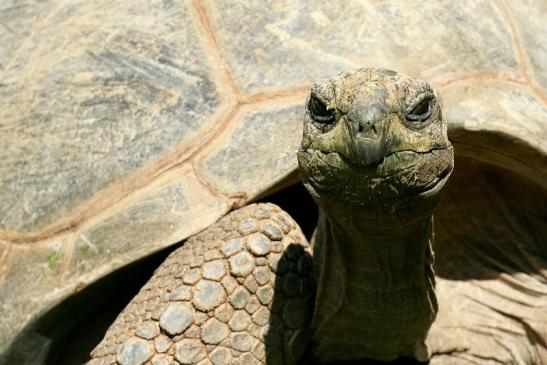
(129, 126)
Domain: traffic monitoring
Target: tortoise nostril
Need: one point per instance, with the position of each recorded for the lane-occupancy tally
(367, 126)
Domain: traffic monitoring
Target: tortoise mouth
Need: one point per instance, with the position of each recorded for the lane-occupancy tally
(392, 163)
(405, 172)
(438, 182)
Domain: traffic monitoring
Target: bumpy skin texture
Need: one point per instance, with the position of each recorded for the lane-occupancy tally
(375, 156)
(238, 293)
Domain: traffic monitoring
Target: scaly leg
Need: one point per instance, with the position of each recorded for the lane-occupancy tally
(240, 292)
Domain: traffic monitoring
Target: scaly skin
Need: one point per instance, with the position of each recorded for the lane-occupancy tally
(238, 293)
(376, 174)
(242, 292)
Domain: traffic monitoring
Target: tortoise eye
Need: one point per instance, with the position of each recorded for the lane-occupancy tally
(319, 112)
(421, 112)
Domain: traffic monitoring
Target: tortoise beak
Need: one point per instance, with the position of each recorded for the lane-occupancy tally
(359, 137)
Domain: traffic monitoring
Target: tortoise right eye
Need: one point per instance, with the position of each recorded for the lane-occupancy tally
(319, 112)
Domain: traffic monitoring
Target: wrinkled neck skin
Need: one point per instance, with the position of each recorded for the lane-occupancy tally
(375, 283)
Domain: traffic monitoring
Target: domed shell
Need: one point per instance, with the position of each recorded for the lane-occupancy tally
(129, 126)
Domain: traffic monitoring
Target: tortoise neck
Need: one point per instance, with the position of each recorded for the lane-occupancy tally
(375, 282)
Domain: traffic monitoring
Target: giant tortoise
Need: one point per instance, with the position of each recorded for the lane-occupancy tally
(250, 289)
(130, 126)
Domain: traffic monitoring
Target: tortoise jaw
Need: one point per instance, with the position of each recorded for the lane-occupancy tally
(438, 183)
(399, 174)
(384, 166)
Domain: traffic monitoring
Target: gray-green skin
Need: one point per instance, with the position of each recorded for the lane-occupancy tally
(376, 175)
(242, 291)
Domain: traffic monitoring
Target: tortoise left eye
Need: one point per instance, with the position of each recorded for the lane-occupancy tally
(421, 112)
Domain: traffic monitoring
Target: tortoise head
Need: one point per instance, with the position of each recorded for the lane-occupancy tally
(375, 136)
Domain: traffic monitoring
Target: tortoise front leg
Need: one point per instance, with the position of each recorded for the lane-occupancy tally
(241, 292)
